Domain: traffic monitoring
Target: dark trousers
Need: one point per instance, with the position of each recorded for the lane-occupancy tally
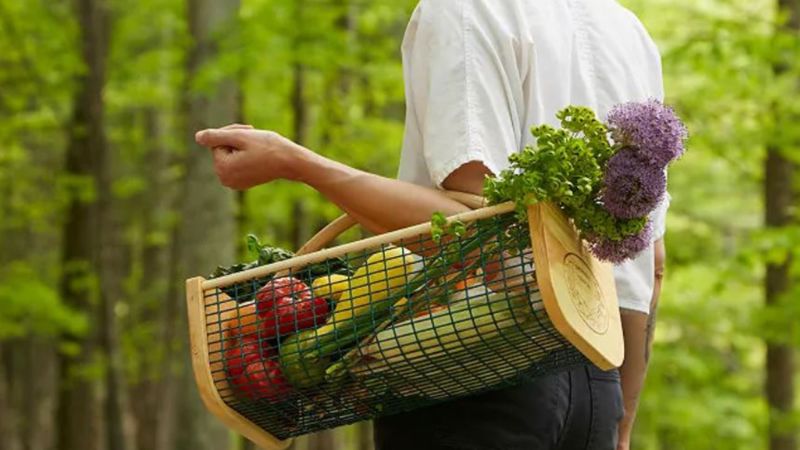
(577, 409)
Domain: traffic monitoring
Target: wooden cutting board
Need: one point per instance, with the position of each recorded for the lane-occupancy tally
(578, 290)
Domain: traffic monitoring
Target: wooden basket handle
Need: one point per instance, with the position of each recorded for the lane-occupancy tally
(346, 222)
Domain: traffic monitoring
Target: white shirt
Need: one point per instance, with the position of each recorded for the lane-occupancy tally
(480, 73)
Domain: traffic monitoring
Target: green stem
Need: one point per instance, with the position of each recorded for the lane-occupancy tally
(340, 367)
(441, 265)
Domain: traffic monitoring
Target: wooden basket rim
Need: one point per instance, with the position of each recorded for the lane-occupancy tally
(363, 244)
(201, 366)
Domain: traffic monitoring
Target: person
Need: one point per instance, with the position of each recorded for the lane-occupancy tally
(478, 73)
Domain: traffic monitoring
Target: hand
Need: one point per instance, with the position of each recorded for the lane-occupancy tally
(245, 157)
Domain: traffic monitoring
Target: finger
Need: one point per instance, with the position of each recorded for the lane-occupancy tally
(222, 165)
(222, 138)
(221, 155)
(237, 126)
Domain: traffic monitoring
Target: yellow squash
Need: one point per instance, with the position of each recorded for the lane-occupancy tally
(330, 286)
(382, 274)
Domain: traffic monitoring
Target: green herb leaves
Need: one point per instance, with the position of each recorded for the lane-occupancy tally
(566, 167)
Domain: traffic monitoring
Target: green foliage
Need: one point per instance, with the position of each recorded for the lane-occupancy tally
(564, 167)
(353, 90)
(704, 389)
(29, 306)
(441, 227)
(705, 385)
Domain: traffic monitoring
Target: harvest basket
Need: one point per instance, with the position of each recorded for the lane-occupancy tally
(408, 322)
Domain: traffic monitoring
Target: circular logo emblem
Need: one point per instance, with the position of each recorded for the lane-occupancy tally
(585, 294)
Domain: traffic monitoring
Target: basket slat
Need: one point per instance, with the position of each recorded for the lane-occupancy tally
(354, 247)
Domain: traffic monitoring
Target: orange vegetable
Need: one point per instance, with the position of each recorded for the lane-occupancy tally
(240, 322)
(466, 283)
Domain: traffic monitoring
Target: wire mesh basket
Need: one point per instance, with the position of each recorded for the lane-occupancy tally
(399, 321)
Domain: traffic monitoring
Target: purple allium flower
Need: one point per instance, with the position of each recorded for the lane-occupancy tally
(651, 127)
(633, 186)
(620, 251)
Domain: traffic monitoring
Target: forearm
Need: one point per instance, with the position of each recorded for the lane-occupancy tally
(245, 157)
(378, 203)
(634, 369)
(638, 330)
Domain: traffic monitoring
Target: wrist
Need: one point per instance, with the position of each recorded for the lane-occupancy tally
(301, 163)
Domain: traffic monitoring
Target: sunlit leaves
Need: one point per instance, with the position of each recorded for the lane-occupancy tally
(30, 306)
(718, 62)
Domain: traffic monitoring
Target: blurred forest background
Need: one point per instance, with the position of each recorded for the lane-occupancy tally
(106, 205)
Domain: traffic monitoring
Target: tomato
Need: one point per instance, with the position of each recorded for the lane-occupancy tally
(253, 371)
(240, 354)
(285, 306)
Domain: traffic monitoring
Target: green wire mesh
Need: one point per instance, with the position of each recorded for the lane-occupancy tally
(384, 331)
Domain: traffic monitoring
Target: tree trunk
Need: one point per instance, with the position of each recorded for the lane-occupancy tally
(241, 224)
(174, 313)
(207, 209)
(115, 266)
(157, 306)
(28, 364)
(338, 97)
(246, 444)
(324, 440)
(299, 108)
(241, 197)
(27, 376)
(780, 200)
(9, 427)
(365, 441)
(153, 396)
(242, 220)
(780, 355)
(300, 132)
(37, 392)
(79, 416)
(119, 430)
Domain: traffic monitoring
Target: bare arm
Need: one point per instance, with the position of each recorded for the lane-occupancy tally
(638, 329)
(244, 157)
(383, 204)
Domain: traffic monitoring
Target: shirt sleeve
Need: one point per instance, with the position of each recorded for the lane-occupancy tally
(636, 278)
(464, 82)
(659, 218)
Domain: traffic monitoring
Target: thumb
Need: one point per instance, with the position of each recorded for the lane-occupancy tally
(221, 138)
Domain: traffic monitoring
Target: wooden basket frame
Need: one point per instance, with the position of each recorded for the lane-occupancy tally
(578, 293)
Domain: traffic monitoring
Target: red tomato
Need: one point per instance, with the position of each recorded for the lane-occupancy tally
(253, 371)
(285, 306)
(240, 354)
(265, 380)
